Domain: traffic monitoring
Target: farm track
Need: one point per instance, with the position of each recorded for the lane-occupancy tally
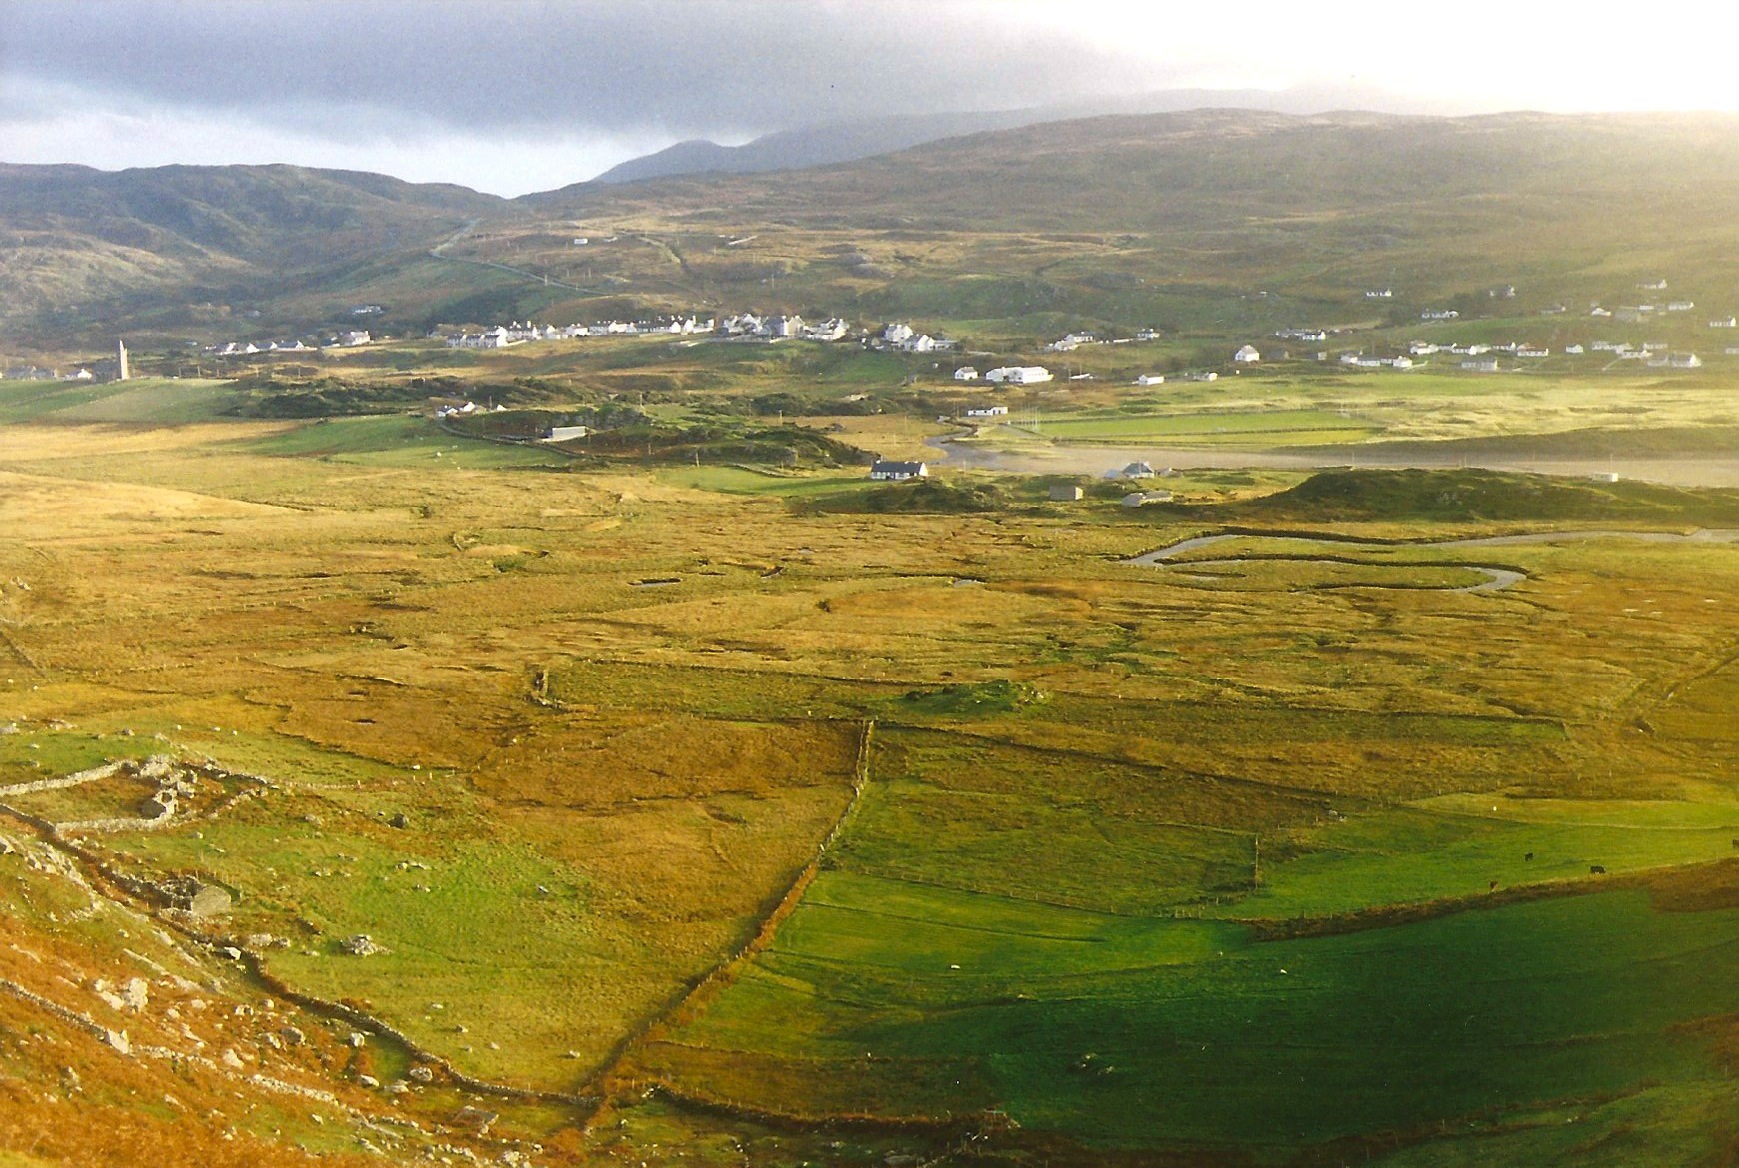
(17, 654)
(615, 1077)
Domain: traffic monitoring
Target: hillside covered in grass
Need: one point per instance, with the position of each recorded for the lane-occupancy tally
(1224, 219)
(1475, 496)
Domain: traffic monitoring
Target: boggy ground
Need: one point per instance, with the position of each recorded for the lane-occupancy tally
(1214, 879)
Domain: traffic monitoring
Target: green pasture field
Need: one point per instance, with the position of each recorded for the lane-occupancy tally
(1301, 404)
(23, 400)
(1136, 1033)
(33, 754)
(464, 924)
(156, 400)
(621, 712)
(398, 441)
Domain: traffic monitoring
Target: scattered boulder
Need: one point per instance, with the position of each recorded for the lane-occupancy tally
(196, 897)
(136, 994)
(400, 820)
(420, 1074)
(108, 995)
(476, 1120)
(362, 945)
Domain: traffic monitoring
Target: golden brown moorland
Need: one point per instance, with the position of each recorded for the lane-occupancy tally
(634, 784)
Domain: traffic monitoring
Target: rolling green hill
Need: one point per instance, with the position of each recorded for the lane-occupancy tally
(86, 245)
(1117, 217)
(1206, 224)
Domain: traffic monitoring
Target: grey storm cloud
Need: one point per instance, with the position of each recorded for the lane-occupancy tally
(683, 66)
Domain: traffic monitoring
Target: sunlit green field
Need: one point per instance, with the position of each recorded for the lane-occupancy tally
(697, 779)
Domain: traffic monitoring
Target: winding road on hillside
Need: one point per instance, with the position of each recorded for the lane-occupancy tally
(439, 252)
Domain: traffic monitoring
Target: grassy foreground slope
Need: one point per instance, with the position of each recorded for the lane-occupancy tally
(588, 758)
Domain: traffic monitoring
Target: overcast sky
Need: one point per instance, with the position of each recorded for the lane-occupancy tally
(511, 96)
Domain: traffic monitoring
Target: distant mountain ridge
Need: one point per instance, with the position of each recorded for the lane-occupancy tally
(1231, 168)
(848, 141)
(1112, 217)
(810, 146)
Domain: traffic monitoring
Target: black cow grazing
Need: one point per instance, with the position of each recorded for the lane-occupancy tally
(1596, 870)
(1530, 855)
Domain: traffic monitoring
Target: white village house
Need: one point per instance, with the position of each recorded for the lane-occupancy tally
(1248, 355)
(889, 470)
(1019, 374)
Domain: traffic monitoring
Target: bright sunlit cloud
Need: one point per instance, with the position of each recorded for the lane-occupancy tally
(516, 97)
(1474, 55)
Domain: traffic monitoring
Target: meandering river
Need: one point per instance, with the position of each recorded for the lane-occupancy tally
(1497, 578)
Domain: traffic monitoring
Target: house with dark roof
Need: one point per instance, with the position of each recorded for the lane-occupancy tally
(888, 470)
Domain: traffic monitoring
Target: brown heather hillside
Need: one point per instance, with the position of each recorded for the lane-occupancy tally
(1207, 223)
(1308, 206)
(73, 235)
(1207, 167)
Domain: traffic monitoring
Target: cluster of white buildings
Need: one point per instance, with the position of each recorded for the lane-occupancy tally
(1632, 313)
(465, 410)
(1365, 361)
(905, 339)
(520, 332)
(740, 326)
(1484, 358)
(38, 373)
(346, 339)
(1005, 374)
(1073, 341)
(781, 328)
(1162, 378)
(1654, 354)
